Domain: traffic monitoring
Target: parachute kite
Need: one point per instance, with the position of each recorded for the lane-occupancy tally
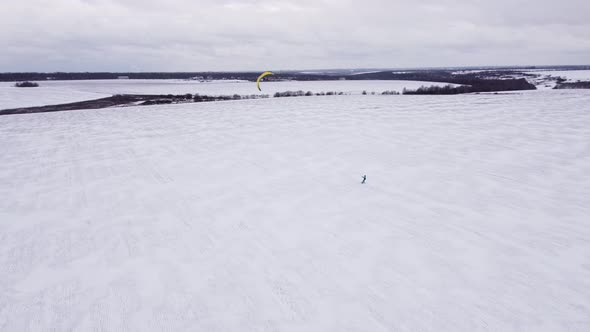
(266, 73)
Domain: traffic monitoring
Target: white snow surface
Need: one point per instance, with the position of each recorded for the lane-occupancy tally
(59, 92)
(250, 215)
(45, 94)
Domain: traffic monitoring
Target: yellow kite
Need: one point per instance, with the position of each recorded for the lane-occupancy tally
(266, 73)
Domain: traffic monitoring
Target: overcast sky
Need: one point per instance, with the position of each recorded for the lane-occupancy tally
(223, 35)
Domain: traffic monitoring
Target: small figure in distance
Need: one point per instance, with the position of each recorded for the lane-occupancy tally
(364, 179)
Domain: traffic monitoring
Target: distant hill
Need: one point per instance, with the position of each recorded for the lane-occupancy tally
(301, 75)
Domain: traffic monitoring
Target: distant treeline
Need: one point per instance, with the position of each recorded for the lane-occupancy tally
(248, 76)
(476, 86)
(469, 82)
(432, 75)
(329, 93)
(197, 98)
(26, 84)
(306, 94)
(573, 85)
(437, 90)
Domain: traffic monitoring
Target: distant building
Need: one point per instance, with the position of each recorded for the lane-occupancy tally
(123, 77)
(342, 79)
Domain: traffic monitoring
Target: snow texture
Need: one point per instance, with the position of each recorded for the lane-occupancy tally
(250, 215)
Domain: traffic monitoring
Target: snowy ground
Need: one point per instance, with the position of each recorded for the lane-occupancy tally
(59, 92)
(569, 75)
(250, 215)
(546, 79)
(13, 97)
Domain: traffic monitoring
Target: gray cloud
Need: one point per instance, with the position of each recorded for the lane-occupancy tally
(183, 35)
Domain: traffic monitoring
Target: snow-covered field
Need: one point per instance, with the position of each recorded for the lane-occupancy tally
(58, 92)
(12, 97)
(569, 75)
(250, 215)
(546, 79)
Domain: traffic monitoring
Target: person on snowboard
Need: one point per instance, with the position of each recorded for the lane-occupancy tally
(364, 179)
